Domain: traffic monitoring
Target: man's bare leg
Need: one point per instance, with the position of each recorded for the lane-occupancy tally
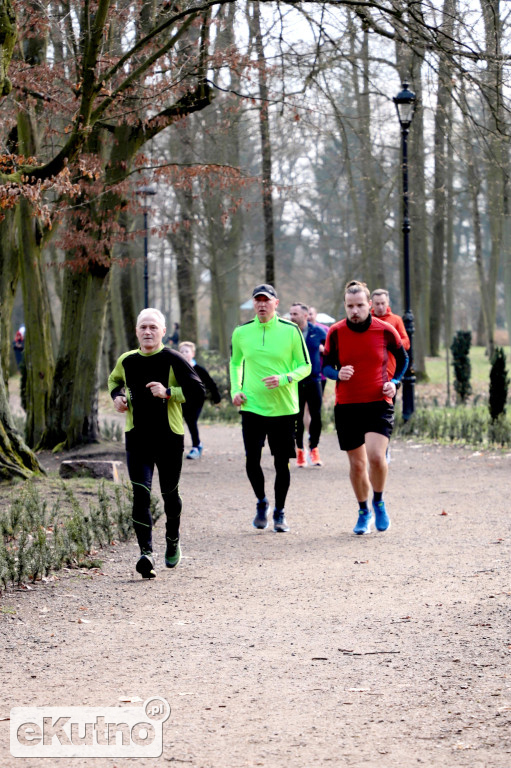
(376, 446)
(358, 473)
(361, 486)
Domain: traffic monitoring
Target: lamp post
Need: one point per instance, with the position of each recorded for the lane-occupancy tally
(405, 106)
(146, 191)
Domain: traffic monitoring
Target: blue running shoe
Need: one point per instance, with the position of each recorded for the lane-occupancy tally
(279, 521)
(260, 521)
(382, 521)
(364, 522)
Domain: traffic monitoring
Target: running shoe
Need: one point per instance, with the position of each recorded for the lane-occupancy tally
(172, 553)
(145, 566)
(279, 521)
(301, 459)
(316, 461)
(260, 521)
(364, 522)
(381, 519)
(195, 453)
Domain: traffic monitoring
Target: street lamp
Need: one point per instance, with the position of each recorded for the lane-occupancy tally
(405, 106)
(146, 191)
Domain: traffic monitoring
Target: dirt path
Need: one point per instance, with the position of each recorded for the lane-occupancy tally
(310, 648)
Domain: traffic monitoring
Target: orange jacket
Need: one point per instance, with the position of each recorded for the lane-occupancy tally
(396, 322)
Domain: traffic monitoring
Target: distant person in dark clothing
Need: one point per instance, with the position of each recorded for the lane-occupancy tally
(174, 339)
(309, 389)
(18, 345)
(313, 314)
(191, 411)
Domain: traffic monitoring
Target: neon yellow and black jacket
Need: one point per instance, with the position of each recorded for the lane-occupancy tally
(268, 349)
(150, 417)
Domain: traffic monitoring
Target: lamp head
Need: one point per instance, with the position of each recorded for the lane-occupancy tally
(405, 106)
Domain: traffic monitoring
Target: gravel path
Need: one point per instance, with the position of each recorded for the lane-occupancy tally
(301, 649)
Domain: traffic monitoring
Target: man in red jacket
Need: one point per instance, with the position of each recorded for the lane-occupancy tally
(381, 309)
(356, 356)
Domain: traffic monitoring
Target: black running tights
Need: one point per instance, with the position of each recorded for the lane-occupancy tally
(256, 477)
(141, 469)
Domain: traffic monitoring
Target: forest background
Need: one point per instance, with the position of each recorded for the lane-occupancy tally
(258, 142)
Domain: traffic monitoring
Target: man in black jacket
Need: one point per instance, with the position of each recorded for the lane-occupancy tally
(149, 385)
(310, 391)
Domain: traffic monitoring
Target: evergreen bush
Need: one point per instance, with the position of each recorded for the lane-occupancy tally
(460, 349)
(499, 384)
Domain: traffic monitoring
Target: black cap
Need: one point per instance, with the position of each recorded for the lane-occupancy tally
(265, 290)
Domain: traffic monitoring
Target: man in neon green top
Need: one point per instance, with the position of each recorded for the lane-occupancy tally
(269, 357)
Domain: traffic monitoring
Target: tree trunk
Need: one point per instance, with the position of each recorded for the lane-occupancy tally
(443, 129)
(372, 232)
(9, 274)
(16, 459)
(8, 36)
(451, 253)
(83, 425)
(496, 129)
(39, 361)
(182, 240)
(266, 160)
(410, 67)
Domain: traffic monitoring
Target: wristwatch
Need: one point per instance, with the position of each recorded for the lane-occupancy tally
(289, 377)
(168, 392)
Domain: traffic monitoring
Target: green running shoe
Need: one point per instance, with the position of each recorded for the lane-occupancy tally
(172, 553)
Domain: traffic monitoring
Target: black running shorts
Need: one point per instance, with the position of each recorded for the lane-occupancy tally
(280, 431)
(354, 420)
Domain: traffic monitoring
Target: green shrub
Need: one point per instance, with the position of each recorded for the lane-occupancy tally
(36, 540)
(499, 384)
(460, 349)
(470, 426)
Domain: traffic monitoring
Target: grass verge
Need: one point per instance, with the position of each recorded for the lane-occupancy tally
(40, 534)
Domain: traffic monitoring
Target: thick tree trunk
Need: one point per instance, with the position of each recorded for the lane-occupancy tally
(266, 159)
(66, 370)
(182, 240)
(498, 148)
(443, 130)
(410, 67)
(8, 36)
(185, 270)
(83, 425)
(9, 274)
(39, 361)
(373, 230)
(224, 233)
(16, 459)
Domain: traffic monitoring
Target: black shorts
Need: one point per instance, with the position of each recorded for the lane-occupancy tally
(280, 431)
(354, 420)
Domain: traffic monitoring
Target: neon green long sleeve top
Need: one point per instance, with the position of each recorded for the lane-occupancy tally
(268, 349)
